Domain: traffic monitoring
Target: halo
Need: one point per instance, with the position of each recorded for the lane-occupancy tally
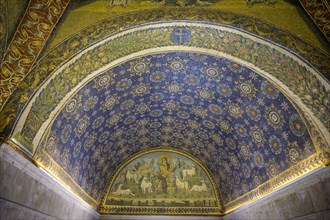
(168, 158)
(164, 156)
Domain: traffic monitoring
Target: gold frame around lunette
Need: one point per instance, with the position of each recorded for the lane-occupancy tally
(152, 210)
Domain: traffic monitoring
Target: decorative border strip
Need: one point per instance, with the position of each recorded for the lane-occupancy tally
(302, 168)
(94, 33)
(31, 35)
(115, 209)
(3, 27)
(320, 142)
(160, 210)
(45, 161)
(319, 12)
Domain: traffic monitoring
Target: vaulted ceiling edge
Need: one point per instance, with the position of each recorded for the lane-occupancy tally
(94, 33)
(302, 168)
(63, 177)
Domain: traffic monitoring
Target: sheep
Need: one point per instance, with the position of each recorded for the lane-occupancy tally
(123, 192)
(197, 188)
(181, 184)
(130, 176)
(191, 172)
(146, 186)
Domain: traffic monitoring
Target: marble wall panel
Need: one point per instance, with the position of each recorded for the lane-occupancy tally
(307, 198)
(10, 210)
(26, 192)
(322, 215)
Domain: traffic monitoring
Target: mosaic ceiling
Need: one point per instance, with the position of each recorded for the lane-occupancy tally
(234, 121)
(245, 99)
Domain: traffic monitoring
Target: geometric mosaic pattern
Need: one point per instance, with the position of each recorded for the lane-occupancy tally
(46, 65)
(227, 116)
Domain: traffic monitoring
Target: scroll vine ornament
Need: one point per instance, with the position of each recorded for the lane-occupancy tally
(31, 35)
(3, 27)
(319, 12)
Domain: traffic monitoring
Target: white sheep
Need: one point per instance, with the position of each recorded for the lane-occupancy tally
(197, 188)
(130, 176)
(181, 184)
(123, 192)
(146, 186)
(189, 172)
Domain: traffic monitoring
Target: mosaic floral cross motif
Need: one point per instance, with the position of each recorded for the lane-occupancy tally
(180, 36)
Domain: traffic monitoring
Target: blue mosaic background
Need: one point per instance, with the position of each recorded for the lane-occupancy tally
(230, 118)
